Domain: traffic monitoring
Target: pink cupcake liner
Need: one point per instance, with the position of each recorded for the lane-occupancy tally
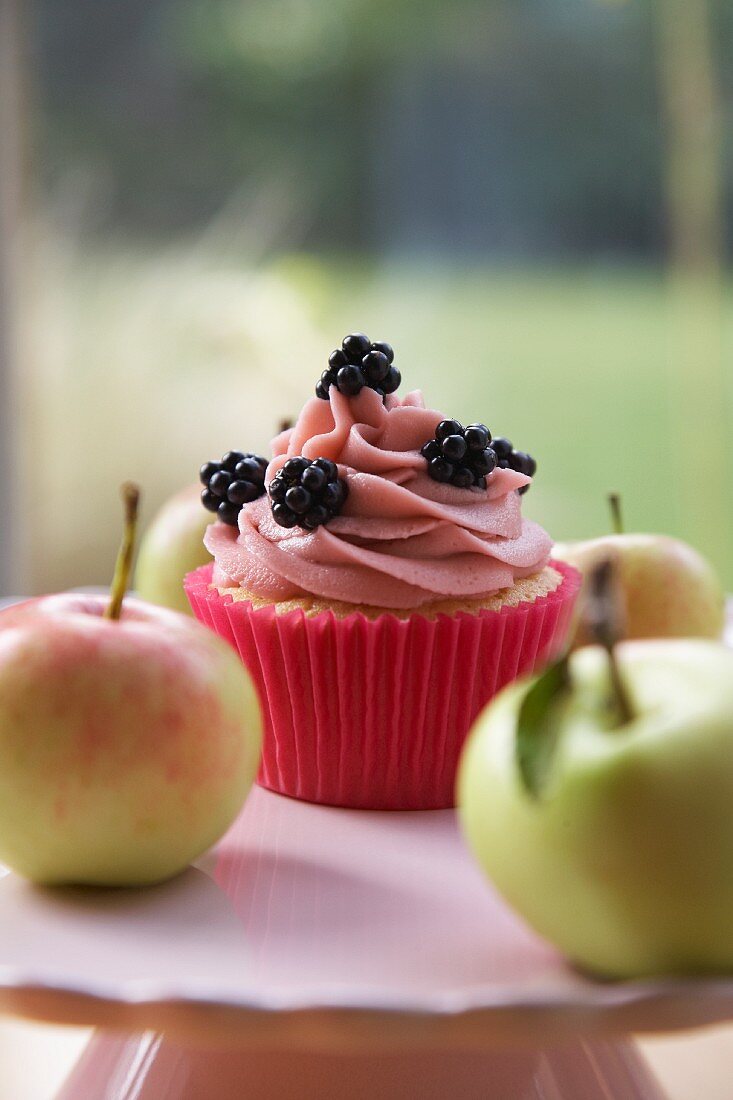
(373, 714)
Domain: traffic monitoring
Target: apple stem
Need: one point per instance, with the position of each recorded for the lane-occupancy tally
(123, 567)
(621, 696)
(617, 522)
(604, 622)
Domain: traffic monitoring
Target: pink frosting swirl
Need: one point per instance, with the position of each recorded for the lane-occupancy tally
(402, 540)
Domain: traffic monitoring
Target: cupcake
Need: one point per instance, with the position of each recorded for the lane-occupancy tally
(380, 583)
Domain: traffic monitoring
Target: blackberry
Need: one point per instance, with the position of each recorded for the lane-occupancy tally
(357, 364)
(454, 447)
(355, 346)
(237, 479)
(477, 436)
(467, 456)
(446, 428)
(460, 456)
(523, 464)
(307, 494)
(502, 448)
(510, 459)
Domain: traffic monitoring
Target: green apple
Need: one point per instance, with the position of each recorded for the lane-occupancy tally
(620, 851)
(173, 546)
(129, 738)
(670, 590)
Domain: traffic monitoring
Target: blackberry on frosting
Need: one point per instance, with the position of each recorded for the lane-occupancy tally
(466, 457)
(237, 479)
(358, 364)
(509, 459)
(307, 493)
(460, 456)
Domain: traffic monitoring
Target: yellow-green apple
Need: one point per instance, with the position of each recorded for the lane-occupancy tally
(598, 799)
(669, 589)
(173, 546)
(129, 737)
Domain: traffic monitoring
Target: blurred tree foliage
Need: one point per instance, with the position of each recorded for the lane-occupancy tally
(502, 126)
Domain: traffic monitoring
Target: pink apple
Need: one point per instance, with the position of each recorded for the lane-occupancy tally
(129, 736)
(669, 589)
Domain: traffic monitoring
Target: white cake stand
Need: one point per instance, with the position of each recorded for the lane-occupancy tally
(319, 952)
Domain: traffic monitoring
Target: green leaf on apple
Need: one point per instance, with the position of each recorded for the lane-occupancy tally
(539, 724)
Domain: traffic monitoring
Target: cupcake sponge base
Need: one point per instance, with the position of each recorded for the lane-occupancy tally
(526, 588)
(372, 713)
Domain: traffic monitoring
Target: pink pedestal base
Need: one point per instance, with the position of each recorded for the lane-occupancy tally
(150, 1067)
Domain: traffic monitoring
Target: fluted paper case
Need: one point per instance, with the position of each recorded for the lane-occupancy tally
(373, 713)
